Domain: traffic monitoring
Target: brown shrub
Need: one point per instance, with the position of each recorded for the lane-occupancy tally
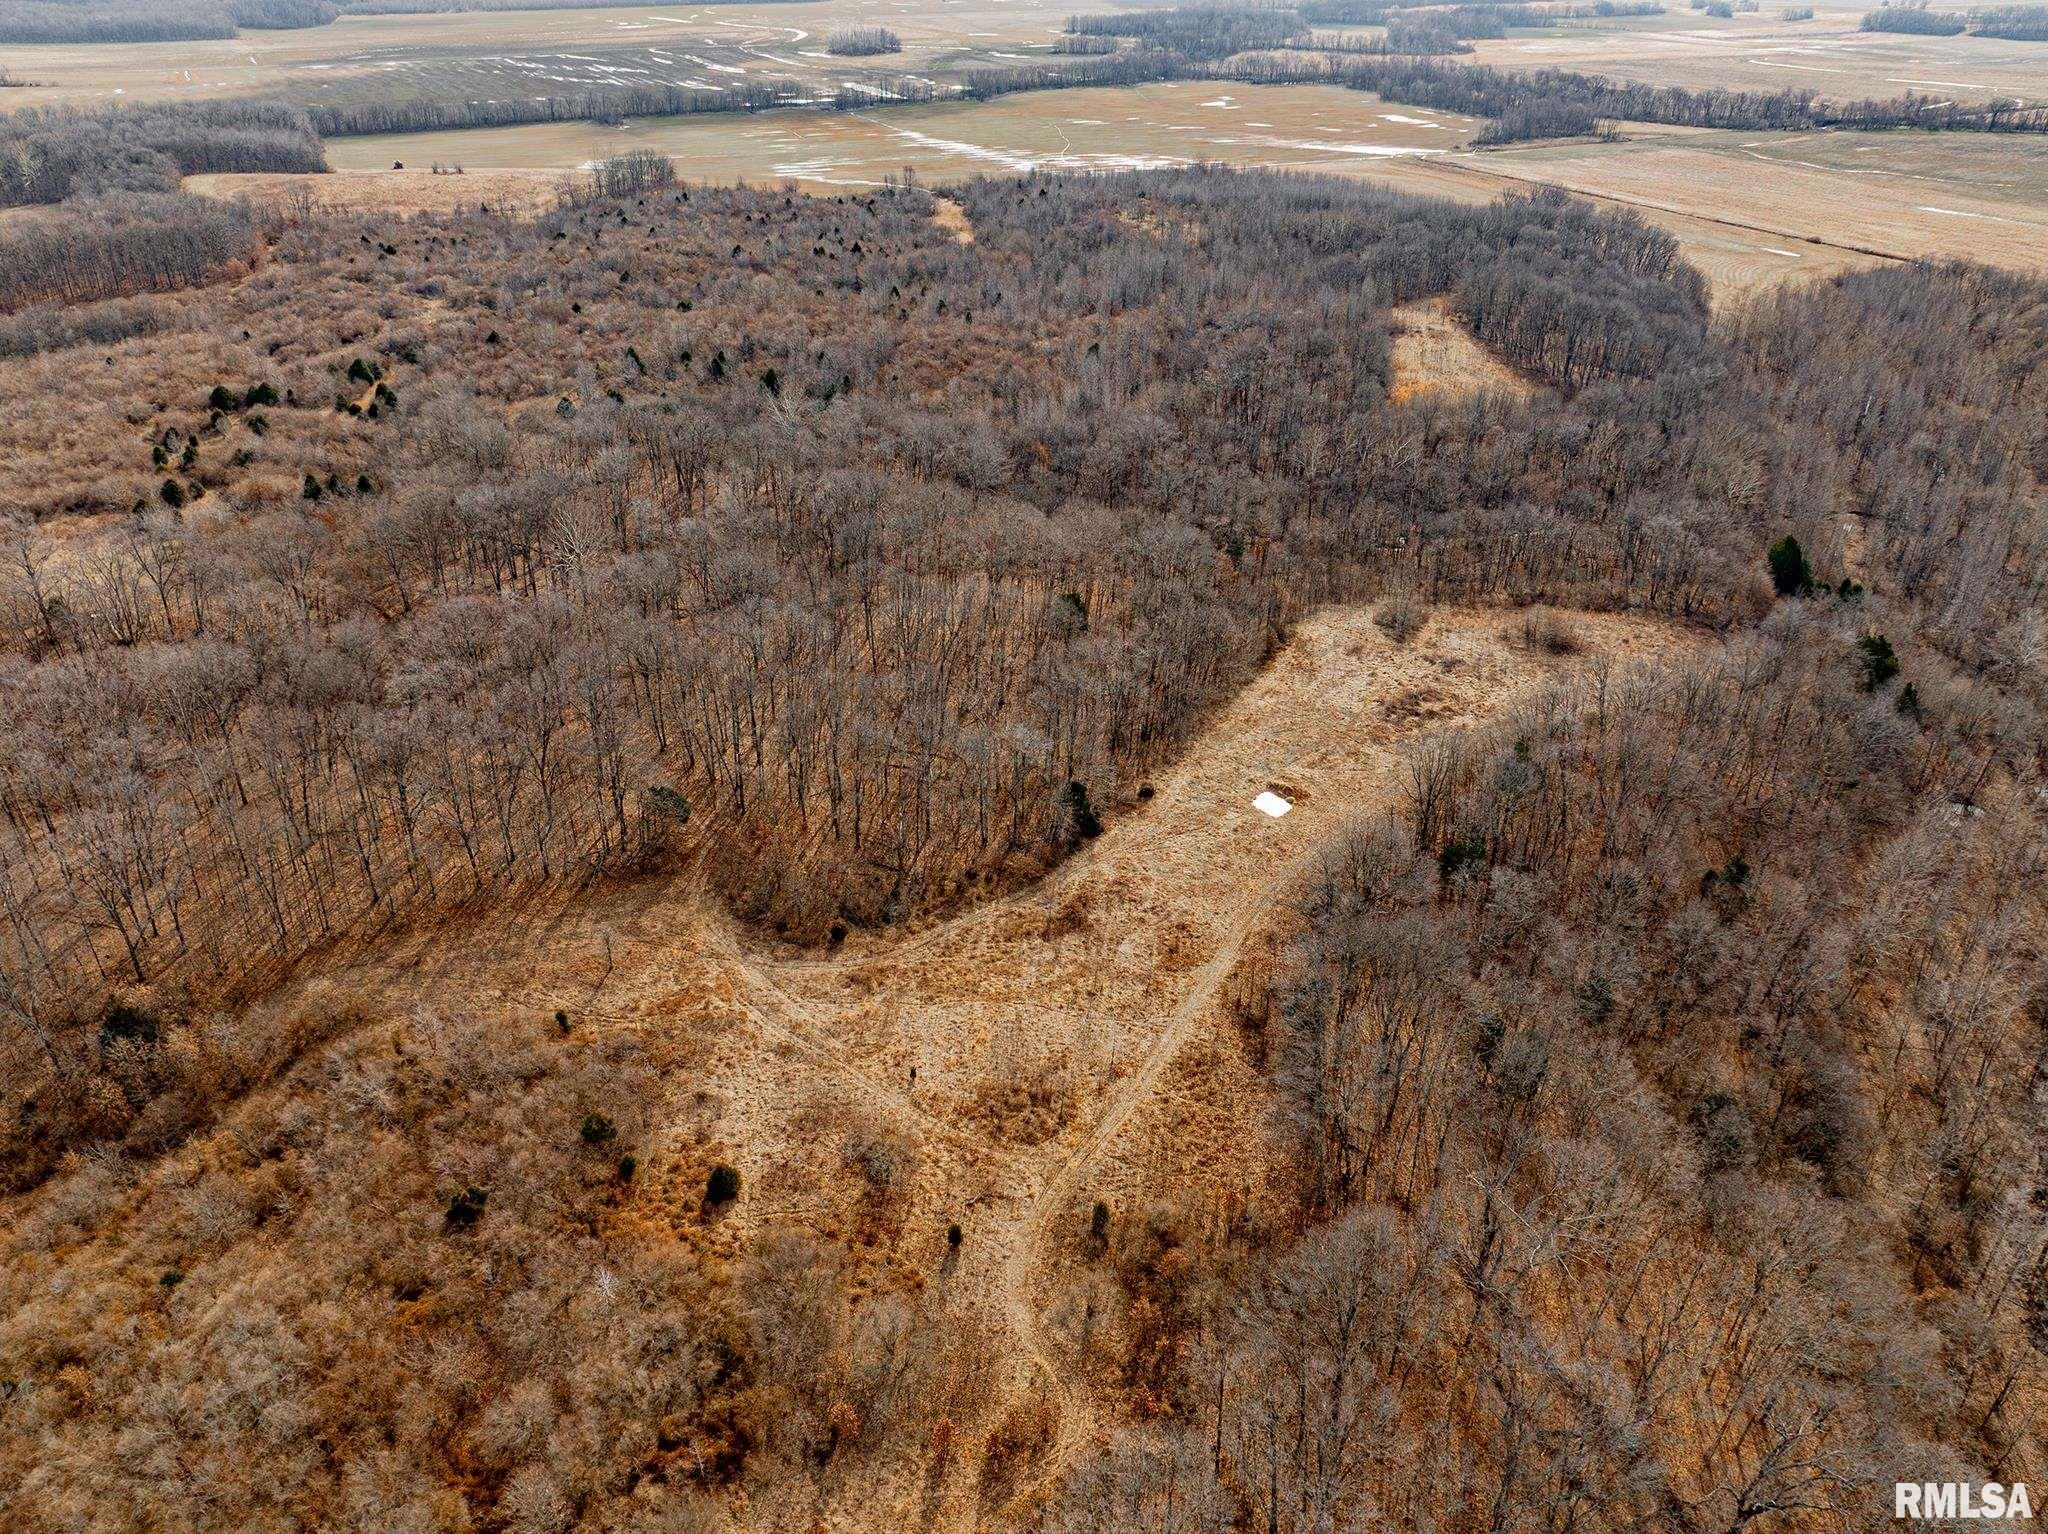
(1549, 632)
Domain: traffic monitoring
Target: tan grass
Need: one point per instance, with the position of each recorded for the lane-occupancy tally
(1433, 353)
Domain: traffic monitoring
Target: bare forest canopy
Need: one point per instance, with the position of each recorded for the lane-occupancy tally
(154, 21)
(1610, 1054)
(50, 153)
(1647, 1090)
(365, 648)
(2014, 23)
(859, 42)
(122, 226)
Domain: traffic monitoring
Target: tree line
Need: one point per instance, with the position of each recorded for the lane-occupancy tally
(2015, 23)
(1203, 32)
(1540, 120)
(48, 154)
(1913, 16)
(1483, 91)
(596, 104)
(134, 21)
(117, 245)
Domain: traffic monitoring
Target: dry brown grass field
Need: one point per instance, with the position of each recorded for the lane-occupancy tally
(385, 190)
(1434, 354)
(1979, 197)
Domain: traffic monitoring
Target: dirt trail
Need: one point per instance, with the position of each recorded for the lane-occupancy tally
(1098, 978)
(952, 217)
(1037, 1050)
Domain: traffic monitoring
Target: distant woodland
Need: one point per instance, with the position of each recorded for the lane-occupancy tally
(2015, 23)
(157, 21)
(2019, 23)
(121, 224)
(1652, 1092)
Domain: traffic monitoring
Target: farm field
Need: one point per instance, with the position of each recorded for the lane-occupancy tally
(469, 55)
(1975, 196)
(1751, 210)
(1284, 127)
(476, 53)
(1760, 51)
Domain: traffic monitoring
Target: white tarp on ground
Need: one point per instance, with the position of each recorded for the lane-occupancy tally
(1270, 803)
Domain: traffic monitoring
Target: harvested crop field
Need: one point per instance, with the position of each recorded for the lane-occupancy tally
(1324, 129)
(1983, 197)
(1761, 51)
(1307, 127)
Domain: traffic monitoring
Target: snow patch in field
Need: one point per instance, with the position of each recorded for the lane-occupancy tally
(1376, 151)
(1011, 159)
(1270, 803)
(1963, 213)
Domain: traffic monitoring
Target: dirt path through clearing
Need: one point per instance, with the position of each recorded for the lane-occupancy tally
(1086, 988)
(952, 217)
(1034, 1054)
